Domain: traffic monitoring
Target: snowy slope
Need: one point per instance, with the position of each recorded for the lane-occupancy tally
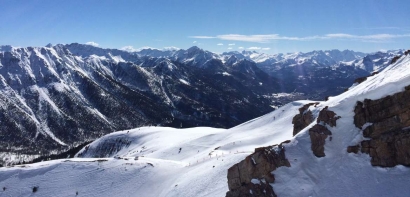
(340, 173)
(56, 97)
(191, 170)
(194, 162)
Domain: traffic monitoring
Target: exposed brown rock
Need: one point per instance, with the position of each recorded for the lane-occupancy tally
(360, 117)
(318, 135)
(389, 150)
(390, 137)
(328, 117)
(384, 126)
(303, 119)
(257, 166)
(319, 132)
(365, 146)
(353, 149)
(393, 110)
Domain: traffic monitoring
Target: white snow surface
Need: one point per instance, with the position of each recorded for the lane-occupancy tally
(194, 161)
(184, 81)
(340, 173)
(188, 173)
(226, 74)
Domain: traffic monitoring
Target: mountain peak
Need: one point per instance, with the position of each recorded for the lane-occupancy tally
(194, 48)
(6, 48)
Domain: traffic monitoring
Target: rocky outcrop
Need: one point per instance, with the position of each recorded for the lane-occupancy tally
(353, 149)
(386, 122)
(386, 114)
(394, 60)
(327, 117)
(303, 119)
(390, 150)
(361, 79)
(319, 133)
(252, 176)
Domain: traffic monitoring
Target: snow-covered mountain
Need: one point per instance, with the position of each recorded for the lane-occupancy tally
(320, 57)
(319, 74)
(193, 56)
(376, 61)
(315, 74)
(56, 97)
(353, 144)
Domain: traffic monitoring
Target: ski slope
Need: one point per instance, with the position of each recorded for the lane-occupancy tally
(198, 170)
(194, 161)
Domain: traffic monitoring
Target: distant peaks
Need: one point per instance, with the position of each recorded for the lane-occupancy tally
(6, 48)
(194, 48)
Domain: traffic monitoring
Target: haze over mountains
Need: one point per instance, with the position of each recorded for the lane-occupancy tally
(57, 97)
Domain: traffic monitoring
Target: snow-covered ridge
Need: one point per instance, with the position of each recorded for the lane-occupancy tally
(177, 162)
(197, 56)
(332, 56)
(6, 48)
(340, 173)
(375, 61)
(50, 94)
(40, 73)
(161, 161)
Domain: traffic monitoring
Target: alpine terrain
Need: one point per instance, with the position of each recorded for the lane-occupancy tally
(55, 98)
(353, 144)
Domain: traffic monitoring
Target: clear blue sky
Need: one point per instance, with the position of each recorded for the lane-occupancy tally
(270, 26)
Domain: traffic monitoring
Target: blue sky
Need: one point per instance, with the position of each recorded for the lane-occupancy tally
(270, 26)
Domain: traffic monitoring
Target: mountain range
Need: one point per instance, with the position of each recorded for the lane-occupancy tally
(353, 144)
(57, 97)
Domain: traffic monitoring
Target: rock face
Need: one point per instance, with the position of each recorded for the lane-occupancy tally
(394, 60)
(319, 132)
(318, 135)
(388, 121)
(252, 176)
(303, 119)
(327, 117)
(361, 79)
(353, 149)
